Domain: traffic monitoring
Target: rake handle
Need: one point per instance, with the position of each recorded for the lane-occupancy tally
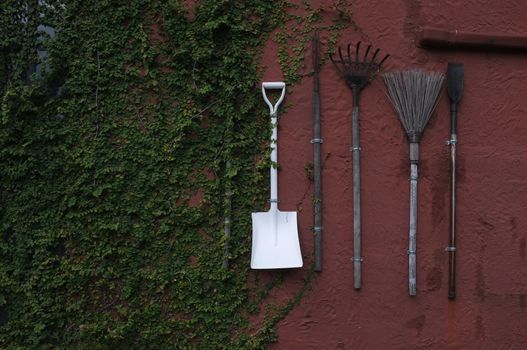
(355, 130)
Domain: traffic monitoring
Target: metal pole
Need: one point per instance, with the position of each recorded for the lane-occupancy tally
(412, 235)
(355, 148)
(317, 143)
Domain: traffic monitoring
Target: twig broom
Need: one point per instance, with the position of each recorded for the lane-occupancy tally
(414, 95)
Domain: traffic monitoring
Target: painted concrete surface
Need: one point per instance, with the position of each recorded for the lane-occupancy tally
(490, 311)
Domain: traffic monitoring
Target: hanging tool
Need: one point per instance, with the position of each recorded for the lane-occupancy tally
(317, 145)
(455, 74)
(414, 95)
(275, 243)
(357, 73)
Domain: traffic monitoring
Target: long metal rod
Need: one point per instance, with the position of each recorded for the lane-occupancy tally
(452, 242)
(355, 149)
(452, 246)
(317, 143)
(412, 235)
(455, 74)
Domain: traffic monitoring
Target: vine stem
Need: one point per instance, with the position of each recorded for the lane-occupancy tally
(98, 57)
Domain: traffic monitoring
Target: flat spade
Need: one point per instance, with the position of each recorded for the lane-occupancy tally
(275, 242)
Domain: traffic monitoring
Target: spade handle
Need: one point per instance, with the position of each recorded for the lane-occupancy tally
(274, 137)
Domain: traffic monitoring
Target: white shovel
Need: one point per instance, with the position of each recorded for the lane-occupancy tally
(275, 233)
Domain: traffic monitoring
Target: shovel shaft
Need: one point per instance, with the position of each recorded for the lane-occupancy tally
(274, 163)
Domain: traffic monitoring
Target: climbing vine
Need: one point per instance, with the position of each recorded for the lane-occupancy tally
(122, 126)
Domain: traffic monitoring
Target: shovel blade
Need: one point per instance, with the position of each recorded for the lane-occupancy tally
(275, 243)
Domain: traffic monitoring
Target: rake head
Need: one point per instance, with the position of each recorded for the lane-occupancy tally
(358, 70)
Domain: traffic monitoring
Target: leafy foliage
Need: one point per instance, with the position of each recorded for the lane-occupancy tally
(113, 173)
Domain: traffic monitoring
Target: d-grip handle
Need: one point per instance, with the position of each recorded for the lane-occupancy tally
(274, 138)
(273, 86)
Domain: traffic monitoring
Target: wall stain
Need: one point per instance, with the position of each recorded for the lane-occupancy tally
(480, 330)
(440, 192)
(417, 323)
(522, 248)
(523, 302)
(434, 279)
(460, 168)
(413, 16)
(480, 283)
(487, 225)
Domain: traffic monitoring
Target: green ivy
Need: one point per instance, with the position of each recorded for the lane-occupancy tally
(114, 172)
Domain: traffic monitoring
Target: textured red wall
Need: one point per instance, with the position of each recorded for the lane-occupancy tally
(490, 311)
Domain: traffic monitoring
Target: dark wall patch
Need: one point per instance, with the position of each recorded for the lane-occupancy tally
(417, 323)
(434, 279)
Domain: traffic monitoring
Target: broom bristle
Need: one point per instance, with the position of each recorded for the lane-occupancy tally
(414, 94)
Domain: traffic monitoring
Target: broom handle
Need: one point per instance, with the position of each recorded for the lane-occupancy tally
(412, 242)
(355, 128)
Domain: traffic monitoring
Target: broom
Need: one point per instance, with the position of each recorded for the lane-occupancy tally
(414, 95)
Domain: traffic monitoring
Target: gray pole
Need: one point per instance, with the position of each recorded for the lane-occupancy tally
(355, 148)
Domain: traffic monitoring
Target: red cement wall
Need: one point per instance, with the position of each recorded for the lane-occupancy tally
(490, 311)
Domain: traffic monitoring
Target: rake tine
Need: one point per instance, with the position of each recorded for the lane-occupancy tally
(357, 52)
(384, 59)
(375, 55)
(341, 72)
(367, 51)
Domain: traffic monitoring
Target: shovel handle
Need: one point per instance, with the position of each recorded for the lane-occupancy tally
(273, 86)
(274, 138)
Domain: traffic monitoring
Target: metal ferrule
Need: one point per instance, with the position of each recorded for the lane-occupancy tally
(453, 140)
(414, 153)
(414, 137)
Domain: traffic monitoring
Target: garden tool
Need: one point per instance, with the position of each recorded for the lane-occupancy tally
(275, 243)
